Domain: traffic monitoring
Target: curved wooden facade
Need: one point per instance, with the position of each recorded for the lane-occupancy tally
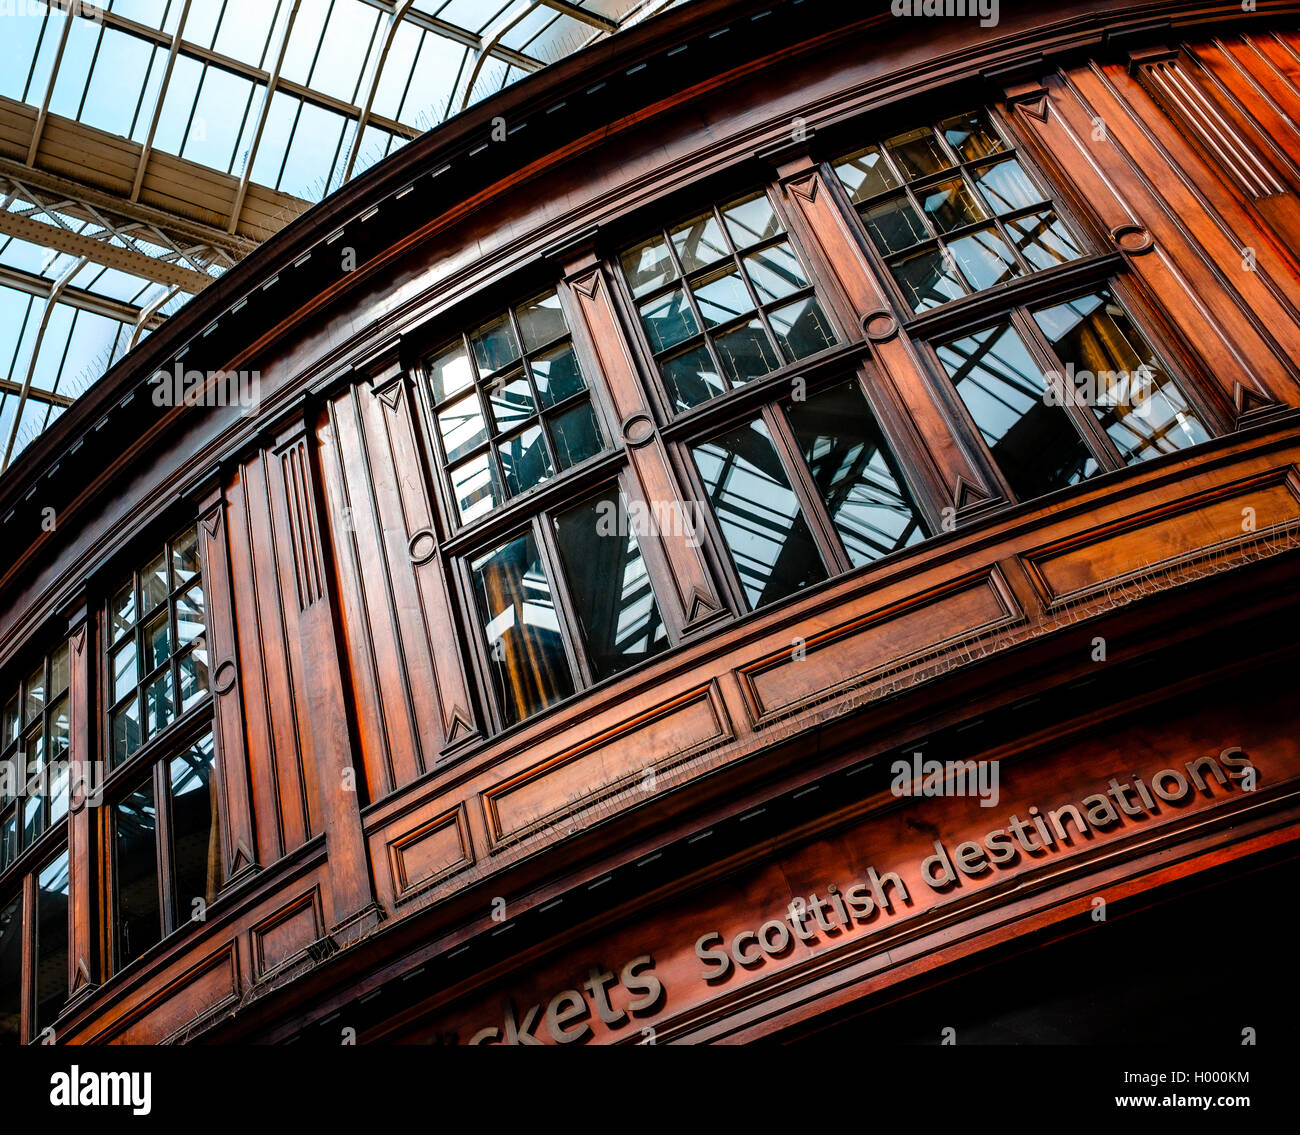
(381, 740)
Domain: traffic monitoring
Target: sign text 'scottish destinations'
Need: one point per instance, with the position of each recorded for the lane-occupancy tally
(838, 910)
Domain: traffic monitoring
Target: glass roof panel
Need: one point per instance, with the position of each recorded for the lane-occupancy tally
(209, 108)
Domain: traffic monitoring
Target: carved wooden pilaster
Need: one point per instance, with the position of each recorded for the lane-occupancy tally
(239, 843)
(698, 602)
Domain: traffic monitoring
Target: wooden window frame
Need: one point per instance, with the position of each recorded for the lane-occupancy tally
(538, 523)
(819, 289)
(771, 411)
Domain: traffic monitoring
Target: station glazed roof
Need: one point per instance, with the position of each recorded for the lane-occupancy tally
(146, 146)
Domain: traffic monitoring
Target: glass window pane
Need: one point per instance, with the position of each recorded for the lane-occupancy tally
(125, 671)
(8, 840)
(524, 461)
(950, 205)
(135, 875)
(123, 610)
(620, 620)
(668, 320)
(450, 372)
(59, 671)
(511, 399)
(801, 328)
(1043, 239)
(51, 941)
(918, 153)
(894, 225)
(153, 584)
(1034, 443)
(984, 258)
(928, 279)
(775, 272)
(126, 731)
(769, 540)
(494, 344)
(185, 557)
(189, 616)
(11, 967)
(1118, 374)
(648, 265)
(865, 174)
(33, 819)
(1006, 186)
(575, 435)
(12, 722)
(157, 640)
(34, 692)
(196, 834)
(462, 427)
(692, 378)
(541, 320)
(193, 670)
(699, 242)
(475, 488)
(751, 220)
(722, 296)
(971, 136)
(846, 455)
(522, 629)
(159, 703)
(557, 375)
(58, 729)
(746, 352)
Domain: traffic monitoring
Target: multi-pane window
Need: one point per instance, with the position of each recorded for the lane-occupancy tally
(157, 653)
(511, 406)
(165, 848)
(565, 603)
(951, 210)
(824, 456)
(163, 839)
(33, 744)
(1063, 390)
(37, 918)
(724, 299)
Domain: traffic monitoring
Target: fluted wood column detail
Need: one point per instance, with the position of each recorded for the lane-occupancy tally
(330, 778)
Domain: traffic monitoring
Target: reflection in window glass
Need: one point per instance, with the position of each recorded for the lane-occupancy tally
(196, 831)
(1034, 443)
(51, 941)
(745, 307)
(525, 648)
(158, 663)
(764, 529)
(1140, 406)
(135, 874)
(616, 606)
(922, 193)
(854, 474)
(512, 407)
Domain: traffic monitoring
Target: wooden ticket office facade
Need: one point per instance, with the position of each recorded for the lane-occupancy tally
(574, 520)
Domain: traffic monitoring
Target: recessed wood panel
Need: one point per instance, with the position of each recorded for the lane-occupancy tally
(1167, 536)
(429, 852)
(286, 933)
(208, 986)
(653, 740)
(806, 670)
